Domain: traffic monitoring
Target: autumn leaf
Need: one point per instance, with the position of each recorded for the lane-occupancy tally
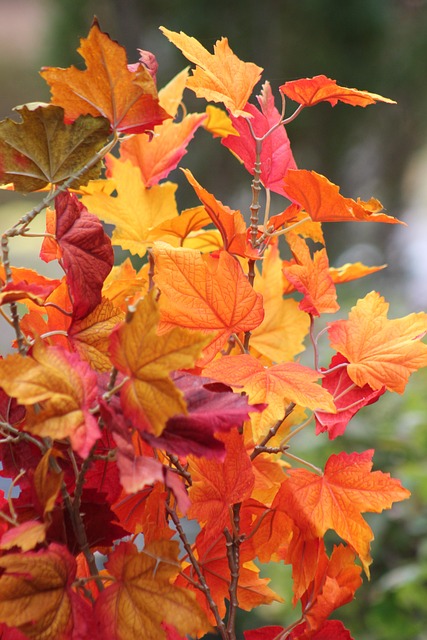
(136, 211)
(36, 594)
(86, 253)
(311, 91)
(218, 77)
(337, 498)
(348, 399)
(157, 157)
(322, 200)
(181, 227)
(22, 291)
(276, 155)
(330, 629)
(124, 285)
(310, 276)
(352, 271)
(216, 485)
(142, 595)
(209, 293)
(263, 633)
(128, 99)
(148, 396)
(209, 410)
(41, 149)
(62, 386)
(280, 336)
(276, 386)
(218, 123)
(90, 336)
(381, 352)
(229, 223)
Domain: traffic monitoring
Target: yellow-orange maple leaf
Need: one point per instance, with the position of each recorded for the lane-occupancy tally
(149, 396)
(64, 389)
(381, 352)
(136, 210)
(142, 595)
(210, 293)
(277, 386)
(221, 77)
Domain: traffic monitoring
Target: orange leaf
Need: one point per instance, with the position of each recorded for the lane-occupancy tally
(217, 485)
(352, 271)
(380, 351)
(310, 276)
(62, 387)
(221, 77)
(229, 223)
(128, 99)
(311, 91)
(36, 594)
(277, 386)
(181, 227)
(142, 596)
(280, 336)
(157, 156)
(149, 396)
(136, 211)
(210, 293)
(322, 200)
(336, 499)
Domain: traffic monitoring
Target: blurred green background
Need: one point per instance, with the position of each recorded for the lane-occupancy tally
(381, 151)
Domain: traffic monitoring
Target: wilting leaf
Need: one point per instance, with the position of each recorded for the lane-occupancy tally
(381, 352)
(221, 77)
(41, 149)
(62, 386)
(142, 596)
(209, 293)
(311, 91)
(149, 397)
(128, 99)
(276, 155)
(87, 256)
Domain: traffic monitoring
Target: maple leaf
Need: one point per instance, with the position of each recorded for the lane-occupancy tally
(128, 99)
(36, 594)
(177, 229)
(123, 285)
(149, 397)
(210, 293)
(336, 499)
(142, 596)
(276, 386)
(352, 271)
(209, 411)
(63, 387)
(218, 123)
(310, 276)
(216, 485)
(280, 336)
(14, 291)
(41, 149)
(90, 336)
(136, 211)
(86, 253)
(330, 629)
(322, 200)
(158, 156)
(221, 77)
(311, 91)
(276, 155)
(381, 352)
(348, 399)
(229, 223)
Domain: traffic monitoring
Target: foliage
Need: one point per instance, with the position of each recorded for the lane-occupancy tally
(138, 401)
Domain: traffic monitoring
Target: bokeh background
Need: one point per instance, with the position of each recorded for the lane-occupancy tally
(381, 151)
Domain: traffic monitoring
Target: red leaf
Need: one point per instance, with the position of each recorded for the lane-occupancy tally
(209, 412)
(348, 398)
(276, 154)
(87, 254)
(330, 630)
(264, 633)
